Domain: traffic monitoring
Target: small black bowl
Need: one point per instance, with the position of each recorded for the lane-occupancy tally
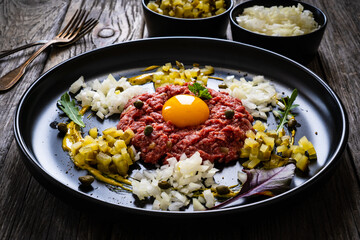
(161, 25)
(300, 48)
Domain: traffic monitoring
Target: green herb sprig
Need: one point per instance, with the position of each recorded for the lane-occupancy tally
(288, 102)
(200, 91)
(69, 108)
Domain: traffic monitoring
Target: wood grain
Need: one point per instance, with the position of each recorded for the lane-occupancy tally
(31, 22)
(29, 211)
(119, 21)
(340, 61)
(16, 20)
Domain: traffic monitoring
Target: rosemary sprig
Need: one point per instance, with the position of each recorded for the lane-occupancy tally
(288, 103)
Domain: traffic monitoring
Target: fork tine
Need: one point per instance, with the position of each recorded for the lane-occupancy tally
(86, 29)
(78, 14)
(76, 28)
(82, 24)
(89, 25)
(69, 23)
(74, 23)
(86, 24)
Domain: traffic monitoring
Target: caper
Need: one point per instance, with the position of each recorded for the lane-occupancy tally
(169, 144)
(138, 104)
(292, 160)
(62, 127)
(229, 114)
(222, 86)
(260, 140)
(222, 190)
(54, 124)
(179, 64)
(86, 180)
(307, 154)
(278, 141)
(292, 123)
(164, 185)
(118, 88)
(224, 149)
(148, 130)
(152, 145)
(113, 168)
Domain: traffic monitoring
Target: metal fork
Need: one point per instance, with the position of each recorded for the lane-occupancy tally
(88, 26)
(67, 34)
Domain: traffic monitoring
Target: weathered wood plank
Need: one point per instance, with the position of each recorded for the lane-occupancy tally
(303, 219)
(53, 219)
(28, 211)
(119, 21)
(19, 21)
(28, 23)
(340, 63)
(13, 192)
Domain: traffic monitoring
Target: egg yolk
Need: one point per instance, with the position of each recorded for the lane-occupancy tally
(185, 111)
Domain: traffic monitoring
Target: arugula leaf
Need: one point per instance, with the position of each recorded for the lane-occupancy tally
(69, 108)
(200, 91)
(288, 102)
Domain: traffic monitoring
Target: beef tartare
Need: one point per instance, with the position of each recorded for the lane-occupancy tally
(218, 139)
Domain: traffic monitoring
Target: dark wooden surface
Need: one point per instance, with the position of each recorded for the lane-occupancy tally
(29, 211)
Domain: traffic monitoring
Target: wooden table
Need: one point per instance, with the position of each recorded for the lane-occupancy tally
(29, 211)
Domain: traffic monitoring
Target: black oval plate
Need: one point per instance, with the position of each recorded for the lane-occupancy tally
(321, 114)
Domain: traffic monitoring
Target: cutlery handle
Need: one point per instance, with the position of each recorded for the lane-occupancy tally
(5, 53)
(14, 76)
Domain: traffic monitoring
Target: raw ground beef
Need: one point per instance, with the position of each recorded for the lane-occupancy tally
(218, 139)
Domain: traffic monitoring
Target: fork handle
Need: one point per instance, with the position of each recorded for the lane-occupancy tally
(14, 76)
(8, 52)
